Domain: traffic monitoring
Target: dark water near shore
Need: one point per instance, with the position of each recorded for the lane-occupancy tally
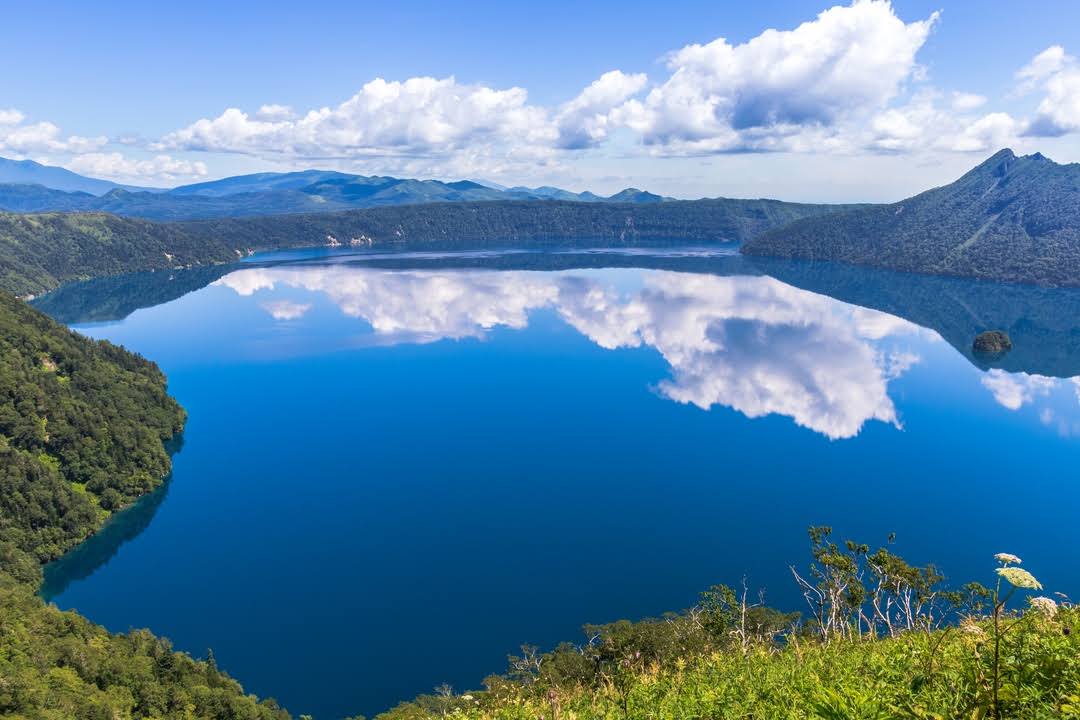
(398, 468)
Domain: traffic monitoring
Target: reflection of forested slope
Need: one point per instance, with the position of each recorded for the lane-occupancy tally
(1044, 323)
(116, 297)
(97, 550)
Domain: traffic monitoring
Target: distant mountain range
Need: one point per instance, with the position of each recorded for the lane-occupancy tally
(28, 172)
(26, 186)
(1010, 218)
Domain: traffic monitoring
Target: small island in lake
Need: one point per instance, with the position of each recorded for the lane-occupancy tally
(992, 342)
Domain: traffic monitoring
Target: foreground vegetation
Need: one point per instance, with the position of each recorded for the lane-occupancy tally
(881, 639)
(58, 665)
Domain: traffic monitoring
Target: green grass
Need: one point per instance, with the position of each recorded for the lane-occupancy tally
(942, 674)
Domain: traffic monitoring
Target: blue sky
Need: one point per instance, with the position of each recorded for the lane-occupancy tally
(878, 100)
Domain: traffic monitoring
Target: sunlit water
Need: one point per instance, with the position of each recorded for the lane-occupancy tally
(397, 469)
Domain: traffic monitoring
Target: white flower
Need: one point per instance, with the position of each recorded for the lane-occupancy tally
(1043, 606)
(1007, 559)
(970, 627)
(470, 697)
(1020, 578)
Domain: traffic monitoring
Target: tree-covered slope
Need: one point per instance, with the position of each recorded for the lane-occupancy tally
(59, 666)
(38, 252)
(533, 222)
(1010, 218)
(82, 427)
(41, 251)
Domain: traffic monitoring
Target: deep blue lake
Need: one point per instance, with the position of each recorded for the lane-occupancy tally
(400, 467)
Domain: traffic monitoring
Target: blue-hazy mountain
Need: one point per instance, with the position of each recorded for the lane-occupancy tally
(28, 172)
(39, 188)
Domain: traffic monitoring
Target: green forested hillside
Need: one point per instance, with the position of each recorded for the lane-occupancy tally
(38, 252)
(59, 666)
(81, 430)
(1011, 218)
(82, 426)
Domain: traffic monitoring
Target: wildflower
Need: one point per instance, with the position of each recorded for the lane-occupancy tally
(1043, 606)
(1007, 559)
(470, 697)
(1020, 578)
(970, 627)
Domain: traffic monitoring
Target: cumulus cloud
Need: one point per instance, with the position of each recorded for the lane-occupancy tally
(1013, 391)
(965, 101)
(19, 137)
(586, 120)
(274, 112)
(419, 116)
(932, 121)
(286, 309)
(846, 81)
(1058, 75)
(117, 166)
(761, 94)
(749, 343)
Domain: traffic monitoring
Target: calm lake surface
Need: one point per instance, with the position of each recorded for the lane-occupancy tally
(399, 468)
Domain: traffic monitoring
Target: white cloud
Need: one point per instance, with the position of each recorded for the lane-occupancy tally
(928, 122)
(274, 112)
(749, 343)
(1057, 75)
(845, 82)
(116, 166)
(762, 94)
(286, 310)
(586, 120)
(1049, 62)
(22, 138)
(965, 101)
(419, 117)
(1013, 391)
(10, 116)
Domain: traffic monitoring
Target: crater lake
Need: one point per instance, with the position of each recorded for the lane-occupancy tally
(399, 467)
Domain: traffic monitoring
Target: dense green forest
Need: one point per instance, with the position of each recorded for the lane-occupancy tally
(82, 431)
(59, 666)
(1011, 218)
(82, 426)
(39, 252)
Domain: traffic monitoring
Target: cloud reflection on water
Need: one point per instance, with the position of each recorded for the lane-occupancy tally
(752, 344)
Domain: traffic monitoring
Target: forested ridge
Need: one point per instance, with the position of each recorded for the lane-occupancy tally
(39, 252)
(1011, 218)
